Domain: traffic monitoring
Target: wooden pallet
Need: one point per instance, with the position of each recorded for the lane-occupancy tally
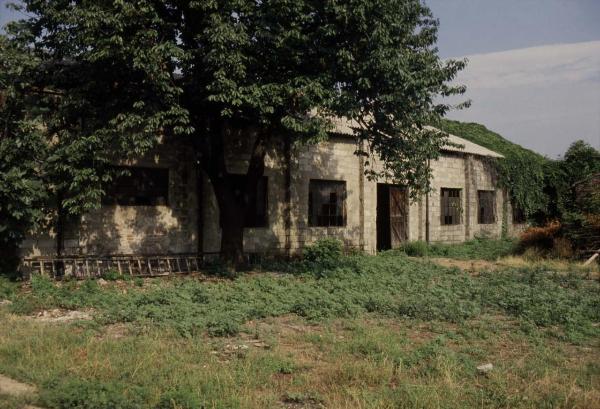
(130, 265)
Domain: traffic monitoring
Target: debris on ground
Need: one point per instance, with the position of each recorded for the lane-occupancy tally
(485, 368)
(58, 315)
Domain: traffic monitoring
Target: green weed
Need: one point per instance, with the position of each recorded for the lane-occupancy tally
(388, 285)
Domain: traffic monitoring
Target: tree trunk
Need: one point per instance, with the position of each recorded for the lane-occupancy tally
(232, 235)
(232, 208)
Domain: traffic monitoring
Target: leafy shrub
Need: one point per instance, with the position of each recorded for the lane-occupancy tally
(111, 275)
(83, 394)
(415, 248)
(223, 325)
(325, 252)
(323, 257)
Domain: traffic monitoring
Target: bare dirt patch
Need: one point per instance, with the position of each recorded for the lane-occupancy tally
(471, 266)
(11, 387)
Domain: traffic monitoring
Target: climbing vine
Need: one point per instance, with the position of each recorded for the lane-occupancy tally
(521, 171)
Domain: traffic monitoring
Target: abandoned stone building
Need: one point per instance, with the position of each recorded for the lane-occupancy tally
(307, 193)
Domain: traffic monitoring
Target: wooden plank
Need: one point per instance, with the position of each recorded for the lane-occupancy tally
(591, 259)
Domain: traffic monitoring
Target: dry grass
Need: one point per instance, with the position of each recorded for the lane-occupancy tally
(378, 359)
(559, 265)
(359, 363)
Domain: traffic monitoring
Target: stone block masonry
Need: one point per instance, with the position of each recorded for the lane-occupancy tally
(172, 228)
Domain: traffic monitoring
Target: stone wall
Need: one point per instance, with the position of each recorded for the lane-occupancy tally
(134, 229)
(173, 228)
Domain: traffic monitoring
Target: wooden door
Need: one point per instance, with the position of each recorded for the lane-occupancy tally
(398, 215)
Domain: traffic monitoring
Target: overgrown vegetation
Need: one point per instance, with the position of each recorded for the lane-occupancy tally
(390, 285)
(522, 171)
(355, 331)
(479, 248)
(561, 191)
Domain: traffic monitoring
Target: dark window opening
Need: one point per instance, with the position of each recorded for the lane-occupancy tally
(256, 213)
(451, 206)
(326, 203)
(138, 186)
(487, 206)
(518, 215)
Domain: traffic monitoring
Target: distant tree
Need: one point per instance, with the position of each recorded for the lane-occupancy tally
(580, 162)
(110, 76)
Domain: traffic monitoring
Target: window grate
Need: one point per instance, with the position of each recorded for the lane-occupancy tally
(487, 206)
(327, 203)
(451, 206)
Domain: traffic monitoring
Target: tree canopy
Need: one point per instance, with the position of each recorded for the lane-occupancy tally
(106, 78)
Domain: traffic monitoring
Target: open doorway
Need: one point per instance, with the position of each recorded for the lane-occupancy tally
(392, 216)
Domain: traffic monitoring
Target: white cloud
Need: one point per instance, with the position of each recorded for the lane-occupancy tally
(541, 97)
(536, 66)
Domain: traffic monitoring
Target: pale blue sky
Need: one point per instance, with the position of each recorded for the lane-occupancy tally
(534, 67)
(483, 26)
(534, 71)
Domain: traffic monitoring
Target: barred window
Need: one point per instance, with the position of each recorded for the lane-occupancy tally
(256, 213)
(326, 203)
(138, 186)
(451, 206)
(487, 206)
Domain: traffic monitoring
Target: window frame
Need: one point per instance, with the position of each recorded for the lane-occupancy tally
(484, 218)
(130, 193)
(315, 219)
(446, 211)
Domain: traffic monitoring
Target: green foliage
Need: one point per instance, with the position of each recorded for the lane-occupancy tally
(7, 288)
(415, 248)
(388, 285)
(111, 275)
(521, 171)
(179, 399)
(476, 249)
(580, 163)
(84, 394)
(324, 253)
(69, 295)
(111, 76)
(22, 191)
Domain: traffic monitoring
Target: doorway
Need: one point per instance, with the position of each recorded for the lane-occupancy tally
(392, 216)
